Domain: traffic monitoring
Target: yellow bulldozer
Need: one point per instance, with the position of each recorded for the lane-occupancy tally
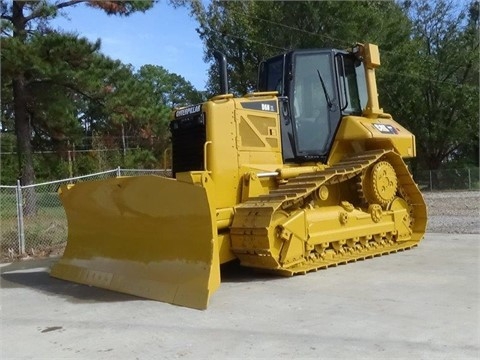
(304, 174)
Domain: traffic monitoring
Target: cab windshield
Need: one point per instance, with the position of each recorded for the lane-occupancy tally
(311, 101)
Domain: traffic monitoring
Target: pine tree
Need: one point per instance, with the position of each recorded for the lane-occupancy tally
(21, 19)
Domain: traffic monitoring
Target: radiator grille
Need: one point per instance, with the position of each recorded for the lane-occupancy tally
(188, 139)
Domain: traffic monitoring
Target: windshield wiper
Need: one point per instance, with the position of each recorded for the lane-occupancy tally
(327, 97)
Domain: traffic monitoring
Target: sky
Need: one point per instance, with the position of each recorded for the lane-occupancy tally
(161, 36)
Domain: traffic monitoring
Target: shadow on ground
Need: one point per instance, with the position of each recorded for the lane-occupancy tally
(35, 275)
(233, 272)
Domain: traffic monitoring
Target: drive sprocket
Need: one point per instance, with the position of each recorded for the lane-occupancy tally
(378, 184)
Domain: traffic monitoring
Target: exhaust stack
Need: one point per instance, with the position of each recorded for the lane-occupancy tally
(222, 64)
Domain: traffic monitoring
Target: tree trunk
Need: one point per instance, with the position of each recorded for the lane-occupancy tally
(24, 145)
(22, 123)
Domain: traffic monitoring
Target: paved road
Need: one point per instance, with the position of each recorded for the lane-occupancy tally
(418, 304)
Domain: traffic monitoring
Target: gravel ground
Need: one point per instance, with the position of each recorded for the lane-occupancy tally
(456, 212)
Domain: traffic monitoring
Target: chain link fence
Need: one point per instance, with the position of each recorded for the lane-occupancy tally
(448, 179)
(33, 221)
(32, 218)
(9, 220)
(134, 172)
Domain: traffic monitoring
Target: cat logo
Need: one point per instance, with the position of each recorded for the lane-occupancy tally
(385, 129)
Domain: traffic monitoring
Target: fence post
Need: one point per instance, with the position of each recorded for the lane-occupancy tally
(430, 176)
(119, 171)
(469, 180)
(70, 166)
(21, 225)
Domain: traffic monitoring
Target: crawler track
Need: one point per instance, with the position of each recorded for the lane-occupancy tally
(261, 231)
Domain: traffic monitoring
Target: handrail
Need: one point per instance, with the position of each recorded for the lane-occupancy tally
(205, 158)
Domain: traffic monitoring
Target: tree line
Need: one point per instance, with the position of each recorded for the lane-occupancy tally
(60, 93)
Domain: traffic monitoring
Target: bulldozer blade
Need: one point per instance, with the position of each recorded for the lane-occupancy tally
(148, 236)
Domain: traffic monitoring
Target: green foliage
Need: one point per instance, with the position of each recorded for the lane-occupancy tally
(48, 167)
(60, 70)
(431, 82)
(53, 77)
(171, 90)
(251, 31)
(8, 161)
(9, 172)
(141, 156)
(85, 163)
(71, 97)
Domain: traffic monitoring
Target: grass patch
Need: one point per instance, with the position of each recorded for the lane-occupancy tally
(8, 205)
(45, 230)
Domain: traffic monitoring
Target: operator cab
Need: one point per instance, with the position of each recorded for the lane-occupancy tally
(316, 89)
